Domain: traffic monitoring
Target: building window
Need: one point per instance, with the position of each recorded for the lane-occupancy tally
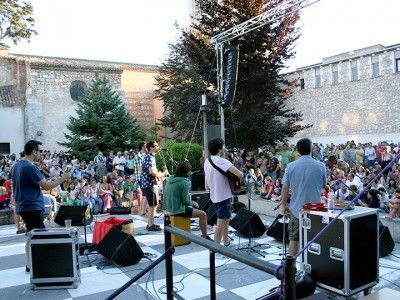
(375, 70)
(317, 81)
(335, 77)
(397, 65)
(4, 148)
(354, 74)
(301, 83)
(77, 89)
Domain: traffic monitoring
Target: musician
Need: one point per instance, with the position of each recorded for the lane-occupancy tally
(176, 199)
(148, 183)
(220, 192)
(305, 177)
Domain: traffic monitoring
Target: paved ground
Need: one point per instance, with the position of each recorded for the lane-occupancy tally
(191, 274)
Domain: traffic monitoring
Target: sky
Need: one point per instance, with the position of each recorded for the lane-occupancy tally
(138, 31)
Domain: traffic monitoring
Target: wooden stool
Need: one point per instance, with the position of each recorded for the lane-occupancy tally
(181, 223)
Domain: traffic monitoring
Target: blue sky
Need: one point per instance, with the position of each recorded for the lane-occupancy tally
(138, 31)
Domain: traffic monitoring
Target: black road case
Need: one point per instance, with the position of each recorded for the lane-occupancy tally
(54, 258)
(345, 259)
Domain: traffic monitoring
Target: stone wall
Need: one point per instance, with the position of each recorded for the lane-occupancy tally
(12, 127)
(365, 109)
(49, 104)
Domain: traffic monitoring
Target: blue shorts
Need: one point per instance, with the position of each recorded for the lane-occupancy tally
(223, 209)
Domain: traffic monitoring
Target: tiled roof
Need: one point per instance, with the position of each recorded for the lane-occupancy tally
(8, 95)
(75, 63)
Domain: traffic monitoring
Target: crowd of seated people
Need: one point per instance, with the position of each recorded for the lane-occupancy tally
(102, 183)
(350, 167)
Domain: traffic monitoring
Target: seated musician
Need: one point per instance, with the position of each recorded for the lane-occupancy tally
(177, 201)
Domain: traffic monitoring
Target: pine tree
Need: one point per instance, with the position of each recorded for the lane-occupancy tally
(102, 122)
(259, 114)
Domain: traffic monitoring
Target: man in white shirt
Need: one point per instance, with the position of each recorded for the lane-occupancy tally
(369, 152)
(119, 163)
(220, 192)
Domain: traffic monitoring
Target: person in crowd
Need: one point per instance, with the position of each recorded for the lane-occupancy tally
(342, 193)
(130, 167)
(105, 193)
(392, 186)
(285, 154)
(89, 171)
(99, 158)
(94, 194)
(137, 163)
(269, 188)
(119, 163)
(148, 178)
(27, 182)
(372, 200)
(129, 188)
(117, 185)
(177, 200)
(101, 170)
(394, 205)
(109, 162)
(4, 200)
(261, 163)
(77, 172)
(55, 170)
(353, 190)
(305, 178)
(273, 166)
(73, 194)
(277, 189)
(220, 192)
(259, 180)
(85, 196)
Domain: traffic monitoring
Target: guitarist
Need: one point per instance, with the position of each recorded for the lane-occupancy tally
(220, 191)
(150, 190)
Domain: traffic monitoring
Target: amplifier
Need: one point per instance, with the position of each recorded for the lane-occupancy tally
(345, 259)
(54, 258)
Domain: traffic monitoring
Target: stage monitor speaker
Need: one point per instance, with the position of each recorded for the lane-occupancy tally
(198, 181)
(203, 200)
(276, 229)
(121, 248)
(119, 210)
(73, 213)
(386, 242)
(248, 223)
(211, 215)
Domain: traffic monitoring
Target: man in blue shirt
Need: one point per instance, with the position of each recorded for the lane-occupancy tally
(305, 178)
(148, 182)
(27, 181)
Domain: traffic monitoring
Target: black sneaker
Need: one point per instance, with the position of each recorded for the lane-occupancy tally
(27, 270)
(153, 228)
(207, 237)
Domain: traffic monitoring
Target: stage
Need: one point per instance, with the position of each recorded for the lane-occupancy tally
(234, 280)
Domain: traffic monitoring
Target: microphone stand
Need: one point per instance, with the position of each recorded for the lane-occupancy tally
(250, 247)
(86, 251)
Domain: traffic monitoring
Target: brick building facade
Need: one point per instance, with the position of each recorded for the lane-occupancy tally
(37, 95)
(350, 96)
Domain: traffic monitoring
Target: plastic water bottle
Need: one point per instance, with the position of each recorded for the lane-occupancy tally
(331, 202)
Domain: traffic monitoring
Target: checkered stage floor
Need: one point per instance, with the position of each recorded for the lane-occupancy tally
(191, 274)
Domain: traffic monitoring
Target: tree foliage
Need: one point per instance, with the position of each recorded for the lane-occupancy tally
(102, 122)
(259, 114)
(16, 21)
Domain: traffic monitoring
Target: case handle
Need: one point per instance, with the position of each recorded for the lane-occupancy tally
(336, 253)
(315, 249)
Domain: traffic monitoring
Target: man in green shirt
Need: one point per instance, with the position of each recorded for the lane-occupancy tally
(176, 199)
(286, 154)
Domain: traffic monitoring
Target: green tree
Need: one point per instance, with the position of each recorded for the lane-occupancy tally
(16, 21)
(259, 114)
(102, 122)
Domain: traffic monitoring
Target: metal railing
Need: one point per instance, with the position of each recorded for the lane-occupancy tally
(285, 272)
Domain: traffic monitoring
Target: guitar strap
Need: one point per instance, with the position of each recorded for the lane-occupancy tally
(217, 168)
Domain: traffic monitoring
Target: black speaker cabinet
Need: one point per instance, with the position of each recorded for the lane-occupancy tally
(73, 213)
(121, 248)
(120, 210)
(386, 242)
(54, 258)
(202, 198)
(211, 215)
(198, 181)
(278, 227)
(247, 223)
(345, 259)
